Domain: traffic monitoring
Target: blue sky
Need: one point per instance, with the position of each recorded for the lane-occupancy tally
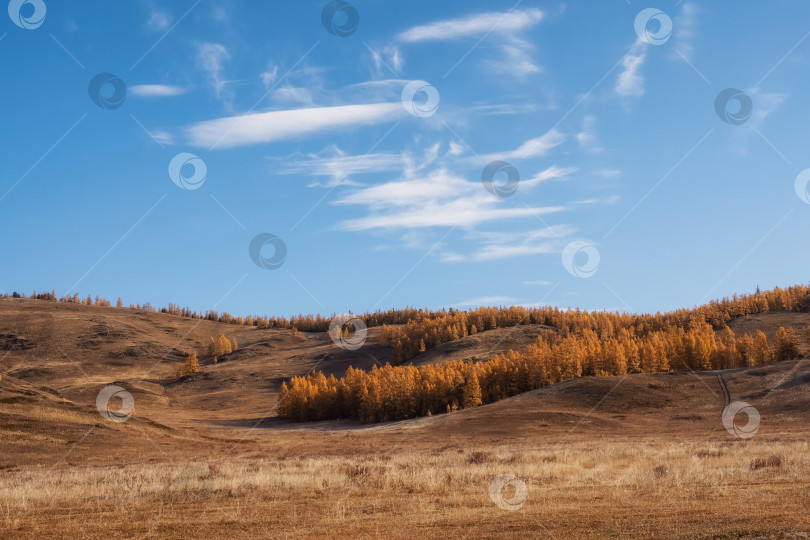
(633, 193)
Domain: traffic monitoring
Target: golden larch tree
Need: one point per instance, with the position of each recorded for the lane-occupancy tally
(472, 392)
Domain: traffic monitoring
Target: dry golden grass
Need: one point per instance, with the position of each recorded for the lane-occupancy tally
(651, 488)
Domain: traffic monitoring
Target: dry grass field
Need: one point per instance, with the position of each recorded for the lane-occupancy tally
(638, 456)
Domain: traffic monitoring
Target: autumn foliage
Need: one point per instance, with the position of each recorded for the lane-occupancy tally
(191, 366)
(221, 346)
(422, 333)
(576, 344)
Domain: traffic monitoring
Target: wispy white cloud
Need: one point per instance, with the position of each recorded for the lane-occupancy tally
(587, 138)
(387, 60)
(505, 108)
(539, 146)
(220, 15)
(765, 103)
(437, 199)
(294, 96)
(441, 185)
(305, 87)
(386, 85)
(685, 31)
(163, 137)
(505, 251)
(460, 213)
(551, 173)
(373, 91)
(610, 199)
(456, 149)
(631, 81)
(503, 28)
(420, 239)
(451, 257)
(516, 59)
(212, 57)
(339, 167)
(473, 26)
(505, 245)
(159, 21)
(269, 75)
(257, 128)
(430, 193)
(156, 90)
(607, 173)
(542, 283)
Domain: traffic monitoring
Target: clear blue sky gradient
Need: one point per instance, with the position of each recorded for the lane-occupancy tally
(681, 206)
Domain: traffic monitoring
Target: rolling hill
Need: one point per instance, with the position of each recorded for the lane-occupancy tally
(57, 357)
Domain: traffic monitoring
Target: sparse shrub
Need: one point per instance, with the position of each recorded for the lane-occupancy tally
(357, 470)
(479, 457)
(772, 461)
(660, 471)
(709, 453)
(689, 417)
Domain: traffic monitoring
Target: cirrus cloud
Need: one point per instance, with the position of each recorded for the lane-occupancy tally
(156, 90)
(265, 127)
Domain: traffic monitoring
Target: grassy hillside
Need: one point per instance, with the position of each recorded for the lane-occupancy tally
(208, 455)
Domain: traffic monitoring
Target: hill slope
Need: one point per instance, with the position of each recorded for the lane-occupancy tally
(646, 454)
(59, 357)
